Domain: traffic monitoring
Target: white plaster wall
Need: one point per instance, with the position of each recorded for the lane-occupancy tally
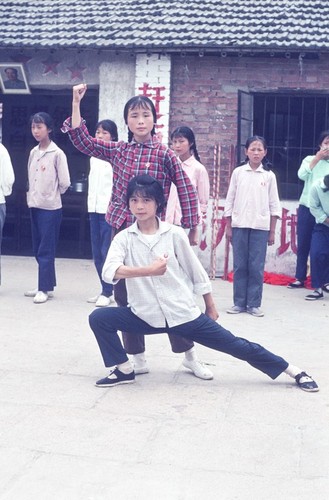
(117, 86)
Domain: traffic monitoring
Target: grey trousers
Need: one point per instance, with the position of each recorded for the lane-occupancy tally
(249, 252)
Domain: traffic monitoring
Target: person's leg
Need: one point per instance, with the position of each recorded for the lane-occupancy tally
(256, 263)
(319, 255)
(49, 223)
(134, 344)
(105, 231)
(105, 324)
(305, 225)
(240, 246)
(209, 333)
(190, 361)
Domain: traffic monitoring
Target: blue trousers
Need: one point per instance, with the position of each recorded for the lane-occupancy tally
(100, 235)
(249, 252)
(45, 232)
(319, 255)
(106, 322)
(305, 226)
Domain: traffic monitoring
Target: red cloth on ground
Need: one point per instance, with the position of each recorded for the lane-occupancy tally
(277, 279)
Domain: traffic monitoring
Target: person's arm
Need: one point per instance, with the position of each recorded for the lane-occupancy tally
(157, 268)
(78, 94)
(316, 207)
(63, 172)
(187, 195)
(7, 176)
(203, 189)
(210, 310)
(275, 207)
(229, 203)
(271, 236)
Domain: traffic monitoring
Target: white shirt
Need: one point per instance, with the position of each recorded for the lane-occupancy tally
(252, 198)
(159, 299)
(100, 183)
(7, 176)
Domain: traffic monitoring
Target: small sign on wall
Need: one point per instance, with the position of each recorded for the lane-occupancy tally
(13, 79)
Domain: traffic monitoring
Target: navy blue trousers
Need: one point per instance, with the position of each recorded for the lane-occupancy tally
(100, 235)
(45, 232)
(305, 226)
(106, 322)
(319, 255)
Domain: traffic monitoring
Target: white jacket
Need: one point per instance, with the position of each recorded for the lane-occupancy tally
(7, 176)
(100, 182)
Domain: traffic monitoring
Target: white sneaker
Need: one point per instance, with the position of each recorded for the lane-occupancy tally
(236, 310)
(140, 367)
(103, 301)
(32, 293)
(198, 368)
(255, 311)
(40, 297)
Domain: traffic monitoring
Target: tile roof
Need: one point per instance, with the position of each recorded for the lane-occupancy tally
(165, 24)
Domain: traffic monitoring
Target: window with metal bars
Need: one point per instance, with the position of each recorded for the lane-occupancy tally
(291, 123)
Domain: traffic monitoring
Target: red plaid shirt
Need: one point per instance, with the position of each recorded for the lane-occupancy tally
(131, 159)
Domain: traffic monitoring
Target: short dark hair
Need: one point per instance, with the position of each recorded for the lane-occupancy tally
(42, 117)
(322, 137)
(145, 185)
(110, 127)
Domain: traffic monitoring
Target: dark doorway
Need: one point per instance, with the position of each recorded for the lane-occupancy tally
(17, 138)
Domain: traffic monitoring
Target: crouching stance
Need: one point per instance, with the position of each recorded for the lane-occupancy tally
(162, 274)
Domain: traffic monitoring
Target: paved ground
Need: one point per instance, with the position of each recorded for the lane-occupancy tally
(170, 436)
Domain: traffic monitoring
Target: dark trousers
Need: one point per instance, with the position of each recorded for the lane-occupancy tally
(135, 343)
(249, 253)
(105, 324)
(319, 255)
(305, 226)
(45, 232)
(100, 236)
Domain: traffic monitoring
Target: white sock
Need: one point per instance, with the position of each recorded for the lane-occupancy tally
(125, 367)
(292, 371)
(190, 355)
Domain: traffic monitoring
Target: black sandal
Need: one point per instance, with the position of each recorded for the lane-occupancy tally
(296, 284)
(325, 288)
(314, 295)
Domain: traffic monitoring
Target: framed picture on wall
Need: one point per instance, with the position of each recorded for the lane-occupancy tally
(13, 79)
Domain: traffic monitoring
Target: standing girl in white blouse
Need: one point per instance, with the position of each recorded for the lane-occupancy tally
(252, 208)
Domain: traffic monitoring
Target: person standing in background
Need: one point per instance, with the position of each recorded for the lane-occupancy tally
(184, 145)
(319, 253)
(252, 209)
(48, 179)
(312, 169)
(100, 182)
(7, 179)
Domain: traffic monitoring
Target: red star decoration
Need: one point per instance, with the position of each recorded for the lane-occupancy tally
(76, 71)
(21, 58)
(50, 65)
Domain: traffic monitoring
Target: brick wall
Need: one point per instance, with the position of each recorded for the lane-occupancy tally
(204, 95)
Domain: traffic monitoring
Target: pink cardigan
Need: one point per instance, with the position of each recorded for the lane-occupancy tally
(200, 180)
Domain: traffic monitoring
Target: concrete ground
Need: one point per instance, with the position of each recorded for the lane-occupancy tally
(169, 436)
